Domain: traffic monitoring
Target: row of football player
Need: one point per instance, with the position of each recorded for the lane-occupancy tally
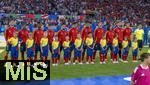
(43, 40)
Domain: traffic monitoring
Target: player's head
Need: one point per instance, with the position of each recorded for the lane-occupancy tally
(100, 24)
(40, 26)
(103, 36)
(56, 37)
(119, 24)
(30, 35)
(145, 57)
(90, 34)
(116, 36)
(134, 38)
(140, 26)
(127, 24)
(15, 34)
(125, 38)
(87, 24)
(78, 35)
(35, 26)
(45, 34)
(67, 38)
(12, 23)
(63, 27)
(75, 24)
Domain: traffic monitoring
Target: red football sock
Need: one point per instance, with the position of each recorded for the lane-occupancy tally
(123, 57)
(111, 55)
(45, 58)
(79, 59)
(82, 56)
(74, 59)
(35, 57)
(115, 58)
(101, 57)
(105, 57)
(91, 59)
(87, 58)
(94, 55)
(126, 57)
(22, 55)
(53, 61)
(6, 56)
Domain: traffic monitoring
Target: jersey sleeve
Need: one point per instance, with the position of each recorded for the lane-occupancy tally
(134, 75)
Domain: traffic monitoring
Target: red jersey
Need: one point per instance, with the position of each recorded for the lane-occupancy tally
(50, 34)
(23, 35)
(110, 36)
(84, 33)
(73, 34)
(119, 32)
(37, 35)
(127, 33)
(62, 35)
(9, 32)
(98, 33)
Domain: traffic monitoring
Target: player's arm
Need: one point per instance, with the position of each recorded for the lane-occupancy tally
(5, 34)
(95, 35)
(41, 45)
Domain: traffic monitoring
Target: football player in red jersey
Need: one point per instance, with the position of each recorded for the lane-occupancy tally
(8, 34)
(84, 34)
(61, 38)
(23, 36)
(127, 33)
(37, 35)
(98, 33)
(50, 34)
(109, 38)
(73, 35)
(119, 31)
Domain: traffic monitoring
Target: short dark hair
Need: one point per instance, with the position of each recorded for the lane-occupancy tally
(144, 56)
